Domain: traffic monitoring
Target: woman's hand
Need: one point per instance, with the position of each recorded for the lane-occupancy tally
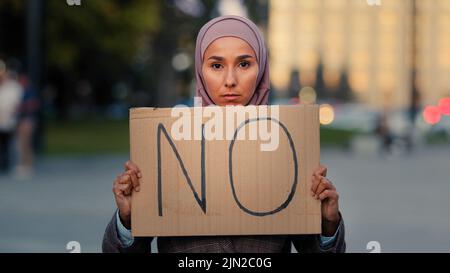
(324, 190)
(123, 187)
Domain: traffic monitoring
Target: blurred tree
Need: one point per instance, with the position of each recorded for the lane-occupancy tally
(258, 11)
(294, 84)
(11, 29)
(344, 91)
(320, 86)
(101, 29)
(97, 41)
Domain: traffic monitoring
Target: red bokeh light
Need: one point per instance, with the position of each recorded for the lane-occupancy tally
(294, 100)
(432, 114)
(444, 106)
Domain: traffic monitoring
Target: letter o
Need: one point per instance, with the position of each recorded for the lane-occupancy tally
(294, 157)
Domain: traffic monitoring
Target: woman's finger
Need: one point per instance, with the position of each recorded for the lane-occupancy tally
(129, 165)
(134, 180)
(324, 184)
(117, 190)
(126, 189)
(117, 179)
(316, 181)
(332, 194)
(321, 170)
(314, 185)
(130, 177)
(125, 178)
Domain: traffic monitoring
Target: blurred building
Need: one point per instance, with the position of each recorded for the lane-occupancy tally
(373, 44)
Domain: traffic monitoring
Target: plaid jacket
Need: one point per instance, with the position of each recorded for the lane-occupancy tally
(222, 244)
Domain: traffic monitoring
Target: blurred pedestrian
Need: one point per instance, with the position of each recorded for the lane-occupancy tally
(383, 132)
(11, 93)
(27, 118)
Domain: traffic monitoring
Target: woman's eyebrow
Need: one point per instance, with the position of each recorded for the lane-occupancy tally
(241, 57)
(244, 57)
(217, 58)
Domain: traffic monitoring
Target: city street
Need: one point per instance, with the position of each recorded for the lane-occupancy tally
(400, 201)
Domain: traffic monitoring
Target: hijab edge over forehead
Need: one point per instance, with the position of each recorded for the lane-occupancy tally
(228, 35)
(244, 29)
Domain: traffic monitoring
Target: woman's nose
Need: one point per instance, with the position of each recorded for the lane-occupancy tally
(230, 79)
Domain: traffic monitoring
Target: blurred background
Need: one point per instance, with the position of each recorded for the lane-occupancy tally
(71, 69)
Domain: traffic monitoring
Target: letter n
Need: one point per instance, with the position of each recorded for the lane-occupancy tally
(201, 202)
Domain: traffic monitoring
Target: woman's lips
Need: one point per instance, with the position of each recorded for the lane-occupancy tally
(231, 97)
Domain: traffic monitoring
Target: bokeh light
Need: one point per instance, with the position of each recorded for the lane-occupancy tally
(432, 114)
(326, 114)
(232, 7)
(294, 101)
(307, 95)
(181, 61)
(444, 106)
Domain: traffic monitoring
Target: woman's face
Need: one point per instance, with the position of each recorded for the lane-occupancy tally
(230, 70)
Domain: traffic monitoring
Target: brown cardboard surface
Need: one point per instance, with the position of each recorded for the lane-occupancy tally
(255, 196)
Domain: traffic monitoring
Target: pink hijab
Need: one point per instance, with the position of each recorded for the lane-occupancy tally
(239, 27)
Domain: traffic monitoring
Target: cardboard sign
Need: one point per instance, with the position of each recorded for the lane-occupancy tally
(225, 186)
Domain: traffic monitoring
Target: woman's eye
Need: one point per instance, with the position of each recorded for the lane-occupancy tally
(216, 66)
(244, 64)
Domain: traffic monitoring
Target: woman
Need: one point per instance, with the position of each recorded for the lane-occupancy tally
(231, 63)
